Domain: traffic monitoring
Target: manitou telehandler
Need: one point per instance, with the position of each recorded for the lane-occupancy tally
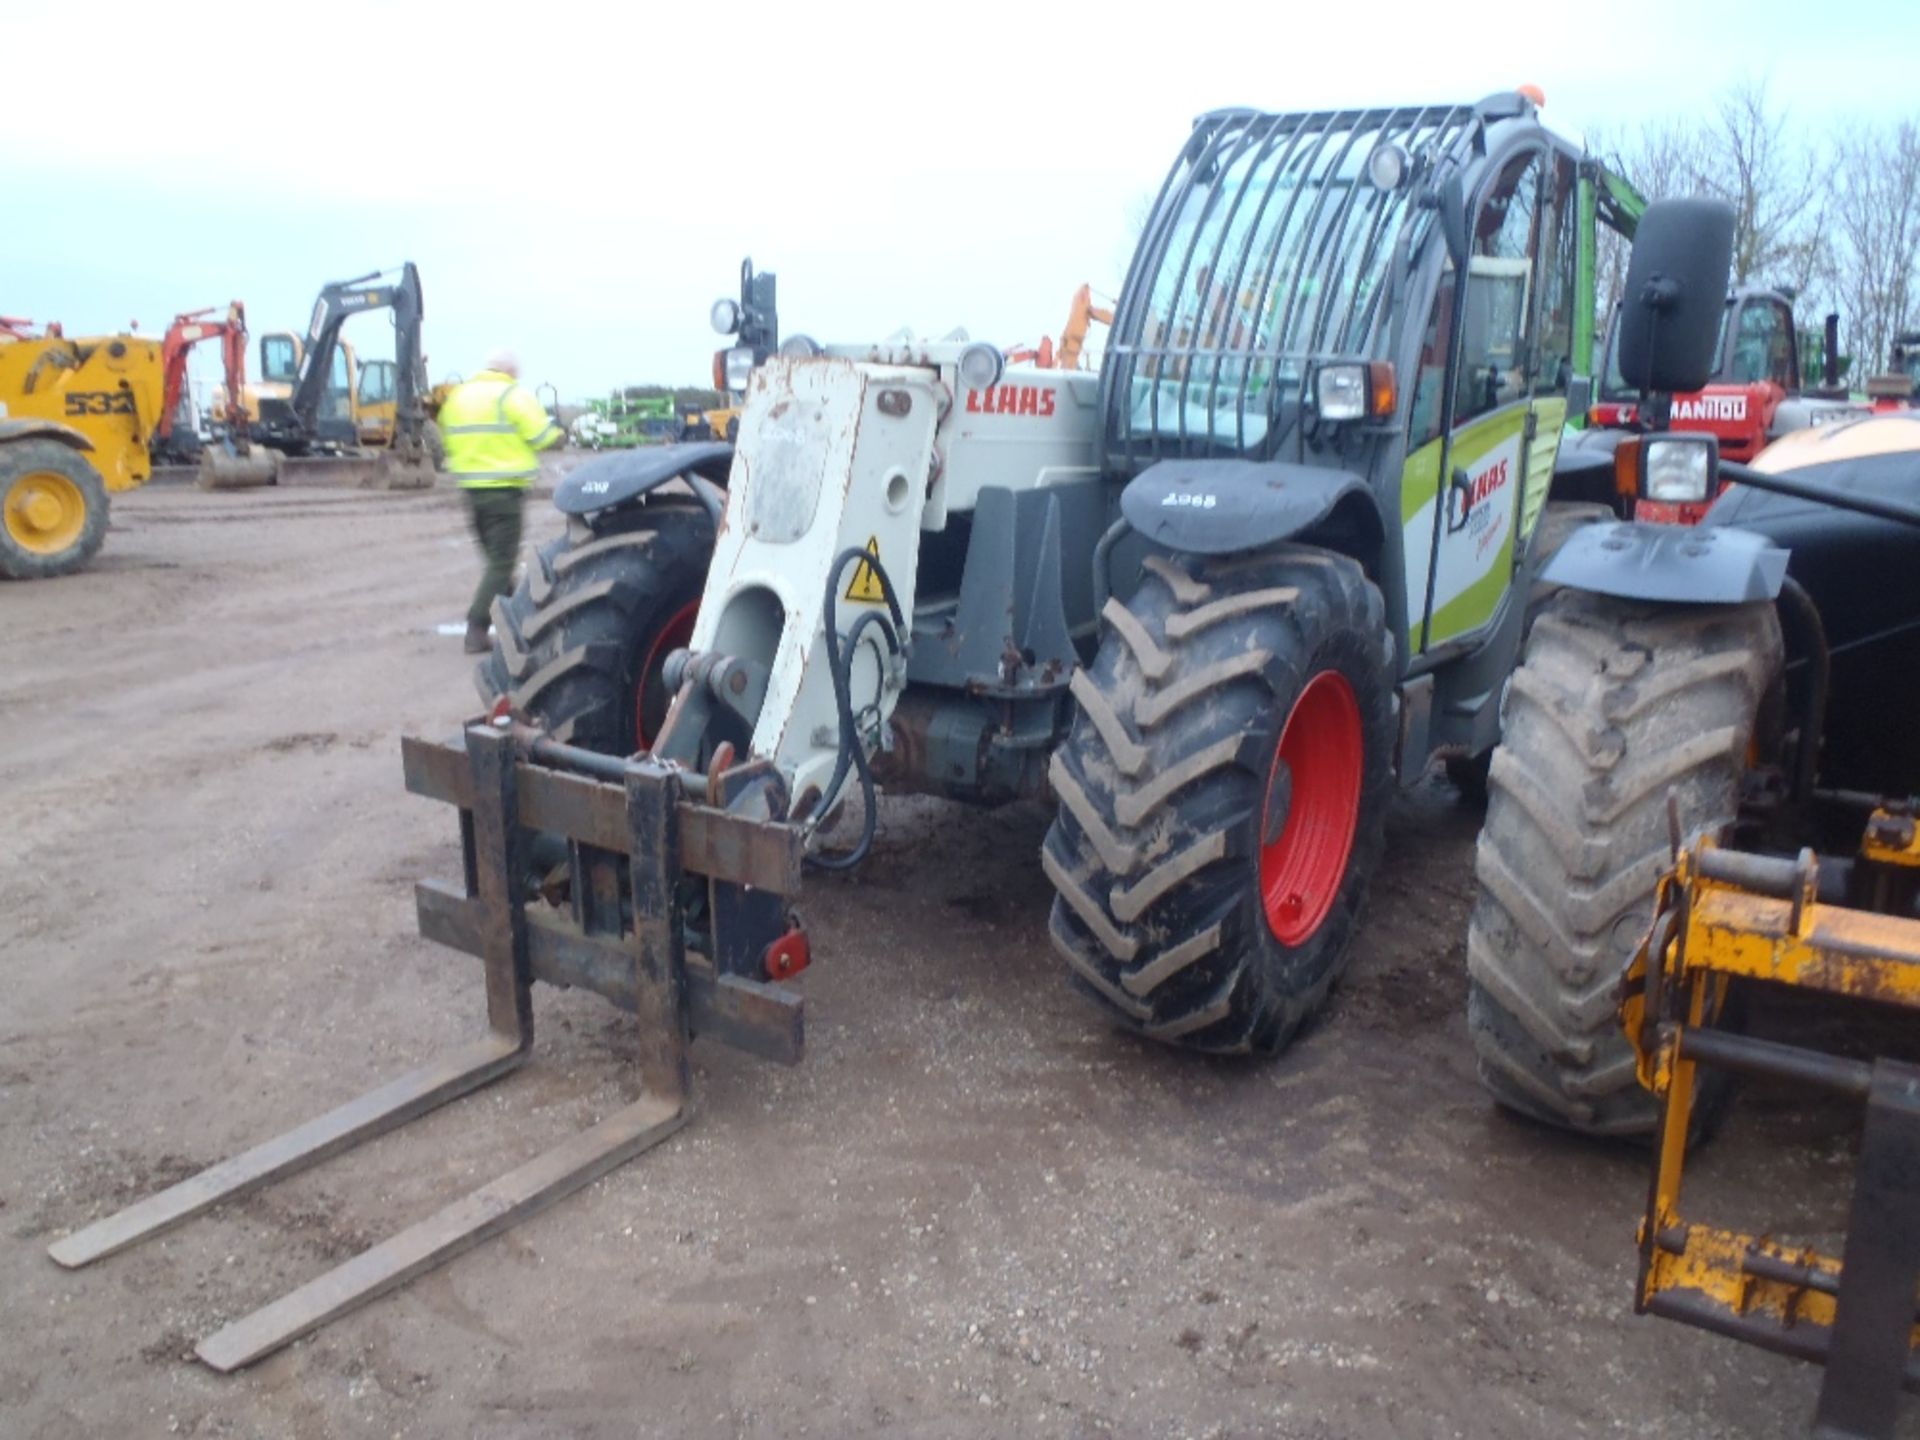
(1279, 551)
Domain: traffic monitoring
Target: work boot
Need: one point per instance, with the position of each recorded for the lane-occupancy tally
(477, 642)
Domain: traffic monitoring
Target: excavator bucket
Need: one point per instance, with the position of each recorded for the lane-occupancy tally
(223, 469)
(635, 834)
(1727, 917)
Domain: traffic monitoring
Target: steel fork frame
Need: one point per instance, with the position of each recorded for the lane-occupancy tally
(494, 842)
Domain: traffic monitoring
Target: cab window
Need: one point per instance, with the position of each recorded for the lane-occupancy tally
(1763, 346)
(1494, 330)
(1554, 363)
(376, 382)
(277, 358)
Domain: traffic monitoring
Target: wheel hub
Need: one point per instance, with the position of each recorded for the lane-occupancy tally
(650, 698)
(45, 512)
(1315, 785)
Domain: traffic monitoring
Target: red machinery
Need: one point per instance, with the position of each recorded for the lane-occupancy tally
(1757, 393)
(1066, 356)
(187, 330)
(12, 327)
(236, 462)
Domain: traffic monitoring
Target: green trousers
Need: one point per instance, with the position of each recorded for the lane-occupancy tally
(495, 518)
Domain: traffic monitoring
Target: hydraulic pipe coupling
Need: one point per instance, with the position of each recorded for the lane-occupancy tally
(723, 676)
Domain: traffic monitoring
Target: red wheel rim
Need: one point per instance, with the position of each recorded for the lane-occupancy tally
(1325, 754)
(650, 699)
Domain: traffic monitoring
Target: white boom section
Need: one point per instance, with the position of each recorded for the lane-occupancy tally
(839, 453)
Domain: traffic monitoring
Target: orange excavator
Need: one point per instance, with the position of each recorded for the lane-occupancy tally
(1068, 354)
(234, 458)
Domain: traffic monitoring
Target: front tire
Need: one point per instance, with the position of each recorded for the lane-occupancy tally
(579, 644)
(1223, 795)
(53, 509)
(1617, 706)
(1558, 520)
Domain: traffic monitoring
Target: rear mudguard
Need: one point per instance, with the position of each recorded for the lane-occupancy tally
(1221, 507)
(1675, 564)
(622, 475)
(43, 430)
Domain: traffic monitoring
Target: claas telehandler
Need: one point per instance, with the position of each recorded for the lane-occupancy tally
(1216, 600)
(1706, 773)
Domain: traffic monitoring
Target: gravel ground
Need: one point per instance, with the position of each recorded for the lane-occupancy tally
(975, 1209)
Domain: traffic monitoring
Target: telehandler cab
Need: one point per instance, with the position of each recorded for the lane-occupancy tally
(1280, 550)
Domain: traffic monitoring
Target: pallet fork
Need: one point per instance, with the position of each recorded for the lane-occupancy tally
(636, 816)
(1723, 916)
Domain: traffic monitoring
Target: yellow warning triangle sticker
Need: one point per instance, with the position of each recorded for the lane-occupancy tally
(865, 585)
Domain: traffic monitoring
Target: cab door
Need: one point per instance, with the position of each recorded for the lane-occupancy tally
(374, 403)
(1475, 474)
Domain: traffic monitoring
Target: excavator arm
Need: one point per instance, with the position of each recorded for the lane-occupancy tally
(337, 303)
(188, 330)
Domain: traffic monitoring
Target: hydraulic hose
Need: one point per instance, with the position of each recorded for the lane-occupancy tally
(853, 754)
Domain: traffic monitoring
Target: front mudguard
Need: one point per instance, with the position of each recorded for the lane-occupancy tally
(1224, 507)
(34, 429)
(1670, 564)
(618, 476)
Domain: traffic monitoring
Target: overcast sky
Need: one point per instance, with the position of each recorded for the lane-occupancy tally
(580, 183)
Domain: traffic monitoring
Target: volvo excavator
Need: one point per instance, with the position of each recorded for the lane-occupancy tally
(299, 411)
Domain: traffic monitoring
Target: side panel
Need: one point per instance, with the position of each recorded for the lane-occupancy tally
(1475, 553)
(1549, 429)
(1009, 435)
(110, 389)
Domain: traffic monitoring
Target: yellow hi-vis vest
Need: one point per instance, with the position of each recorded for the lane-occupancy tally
(492, 426)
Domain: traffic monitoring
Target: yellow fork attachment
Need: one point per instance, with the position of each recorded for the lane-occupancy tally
(1724, 915)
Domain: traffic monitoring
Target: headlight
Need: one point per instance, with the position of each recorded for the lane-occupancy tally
(980, 366)
(1340, 392)
(1355, 390)
(725, 316)
(1387, 166)
(739, 367)
(800, 347)
(1677, 469)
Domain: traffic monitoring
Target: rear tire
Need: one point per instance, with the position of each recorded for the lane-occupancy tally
(1207, 891)
(53, 509)
(1617, 705)
(577, 646)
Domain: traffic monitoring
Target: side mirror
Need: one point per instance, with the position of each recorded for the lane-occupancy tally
(759, 323)
(1676, 294)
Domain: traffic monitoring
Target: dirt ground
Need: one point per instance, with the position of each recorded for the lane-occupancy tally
(975, 1209)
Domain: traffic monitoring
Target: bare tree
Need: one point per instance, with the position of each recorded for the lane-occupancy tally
(1876, 238)
(1662, 160)
(1749, 160)
(1744, 152)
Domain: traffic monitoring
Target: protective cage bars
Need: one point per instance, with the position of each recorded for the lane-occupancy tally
(1727, 915)
(645, 825)
(1274, 214)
